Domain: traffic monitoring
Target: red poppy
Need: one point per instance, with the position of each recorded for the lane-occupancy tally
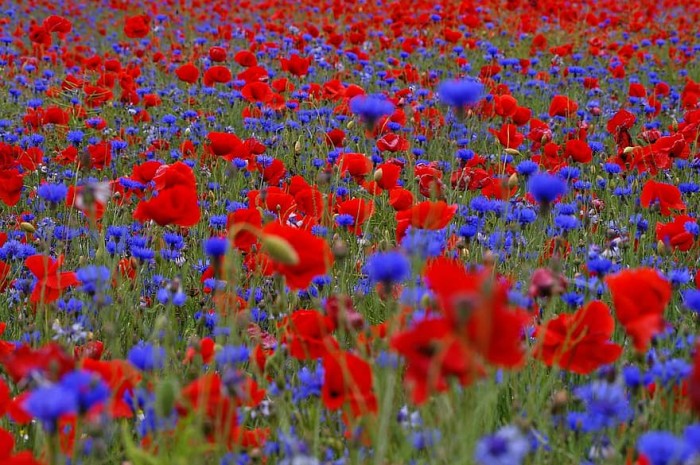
(205, 350)
(578, 150)
(217, 74)
(243, 239)
(356, 164)
(400, 198)
(508, 136)
(51, 282)
(640, 297)
(433, 356)
(387, 175)
(188, 73)
(392, 143)
(347, 380)
(579, 342)
(675, 234)
(275, 200)
(360, 210)
(11, 184)
(224, 144)
(176, 199)
(137, 27)
(562, 106)
(667, 196)
(57, 24)
(424, 215)
(308, 334)
(246, 59)
(694, 381)
(217, 54)
(50, 361)
(100, 155)
(257, 92)
(206, 396)
(476, 306)
(335, 137)
(296, 65)
(296, 254)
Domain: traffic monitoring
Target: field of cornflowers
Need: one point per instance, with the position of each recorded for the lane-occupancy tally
(349, 232)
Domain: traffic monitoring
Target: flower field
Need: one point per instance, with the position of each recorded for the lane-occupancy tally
(349, 232)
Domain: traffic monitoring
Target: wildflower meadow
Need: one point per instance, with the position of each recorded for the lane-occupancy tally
(354, 232)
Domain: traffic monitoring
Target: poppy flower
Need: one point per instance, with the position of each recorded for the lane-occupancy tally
(57, 24)
(387, 175)
(137, 27)
(508, 136)
(243, 239)
(433, 356)
(296, 65)
(347, 380)
(217, 74)
(360, 210)
(578, 150)
(356, 164)
(51, 282)
(176, 198)
(296, 254)
(308, 334)
(424, 215)
(257, 92)
(188, 73)
(579, 342)
(217, 54)
(11, 184)
(224, 144)
(49, 360)
(640, 297)
(667, 196)
(475, 304)
(392, 143)
(678, 234)
(562, 106)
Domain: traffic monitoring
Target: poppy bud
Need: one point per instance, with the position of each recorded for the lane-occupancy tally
(628, 150)
(297, 146)
(378, 175)
(351, 123)
(165, 397)
(280, 250)
(510, 151)
(27, 227)
(513, 180)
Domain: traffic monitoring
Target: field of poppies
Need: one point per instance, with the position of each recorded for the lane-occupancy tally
(339, 232)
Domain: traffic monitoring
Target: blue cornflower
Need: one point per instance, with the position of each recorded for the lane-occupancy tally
(54, 193)
(606, 405)
(692, 436)
(49, 403)
(424, 243)
(526, 167)
(508, 446)
(93, 278)
(371, 107)
(216, 246)
(345, 220)
(75, 137)
(388, 267)
(600, 266)
(88, 388)
(663, 448)
(691, 299)
(146, 357)
(545, 188)
(460, 92)
(232, 355)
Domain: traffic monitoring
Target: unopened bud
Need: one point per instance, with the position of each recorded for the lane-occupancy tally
(628, 150)
(280, 250)
(378, 175)
(510, 151)
(27, 227)
(513, 180)
(297, 146)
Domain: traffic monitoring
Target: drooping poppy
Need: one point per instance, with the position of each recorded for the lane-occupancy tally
(640, 297)
(347, 380)
(667, 196)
